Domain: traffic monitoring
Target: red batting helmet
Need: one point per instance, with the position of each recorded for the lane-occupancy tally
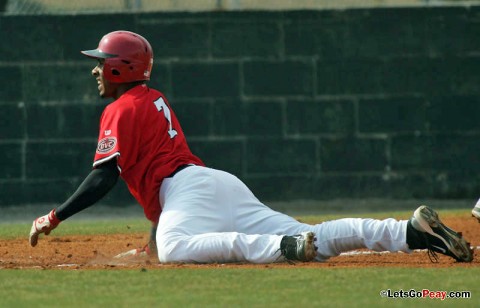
(128, 56)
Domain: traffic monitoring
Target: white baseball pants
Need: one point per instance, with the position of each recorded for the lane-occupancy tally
(211, 216)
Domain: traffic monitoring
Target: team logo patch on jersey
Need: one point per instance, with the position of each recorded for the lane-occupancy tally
(106, 145)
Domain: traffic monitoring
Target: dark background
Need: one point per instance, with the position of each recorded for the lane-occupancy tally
(316, 105)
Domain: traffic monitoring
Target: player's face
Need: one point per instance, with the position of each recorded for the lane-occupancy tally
(105, 88)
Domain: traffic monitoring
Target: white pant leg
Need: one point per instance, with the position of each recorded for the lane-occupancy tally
(197, 222)
(342, 235)
(220, 247)
(336, 236)
(332, 237)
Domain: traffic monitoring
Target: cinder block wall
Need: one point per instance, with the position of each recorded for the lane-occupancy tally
(302, 104)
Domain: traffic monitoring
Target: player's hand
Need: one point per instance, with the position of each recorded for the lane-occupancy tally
(147, 251)
(151, 248)
(44, 224)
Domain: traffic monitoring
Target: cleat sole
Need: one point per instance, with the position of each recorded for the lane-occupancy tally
(427, 220)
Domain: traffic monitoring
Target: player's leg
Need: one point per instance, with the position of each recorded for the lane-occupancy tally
(343, 235)
(423, 231)
(332, 237)
(197, 224)
(220, 247)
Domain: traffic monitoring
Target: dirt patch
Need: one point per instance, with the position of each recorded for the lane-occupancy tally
(97, 252)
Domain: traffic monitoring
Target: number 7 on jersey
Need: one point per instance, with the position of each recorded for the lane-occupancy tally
(161, 105)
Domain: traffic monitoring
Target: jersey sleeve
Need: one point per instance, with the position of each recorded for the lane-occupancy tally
(117, 138)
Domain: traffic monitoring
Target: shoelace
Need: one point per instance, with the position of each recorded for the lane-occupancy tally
(282, 254)
(432, 255)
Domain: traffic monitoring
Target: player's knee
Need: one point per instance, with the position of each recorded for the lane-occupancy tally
(167, 252)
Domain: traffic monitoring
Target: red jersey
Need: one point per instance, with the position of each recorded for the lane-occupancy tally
(141, 131)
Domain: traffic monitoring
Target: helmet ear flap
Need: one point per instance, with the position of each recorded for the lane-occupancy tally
(121, 70)
(112, 71)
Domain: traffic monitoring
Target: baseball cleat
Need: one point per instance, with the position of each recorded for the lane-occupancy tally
(299, 247)
(476, 213)
(425, 230)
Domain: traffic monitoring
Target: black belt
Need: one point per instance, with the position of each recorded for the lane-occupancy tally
(180, 168)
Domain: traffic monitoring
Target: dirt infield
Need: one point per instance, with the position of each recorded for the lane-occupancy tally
(97, 251)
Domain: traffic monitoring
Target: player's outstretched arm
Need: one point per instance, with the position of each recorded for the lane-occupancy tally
(95, 186)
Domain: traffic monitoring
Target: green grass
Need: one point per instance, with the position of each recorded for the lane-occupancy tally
(241, 287)
(226, 287)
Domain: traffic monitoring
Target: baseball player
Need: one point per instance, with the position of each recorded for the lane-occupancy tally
(476, 211)
(203, 215)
